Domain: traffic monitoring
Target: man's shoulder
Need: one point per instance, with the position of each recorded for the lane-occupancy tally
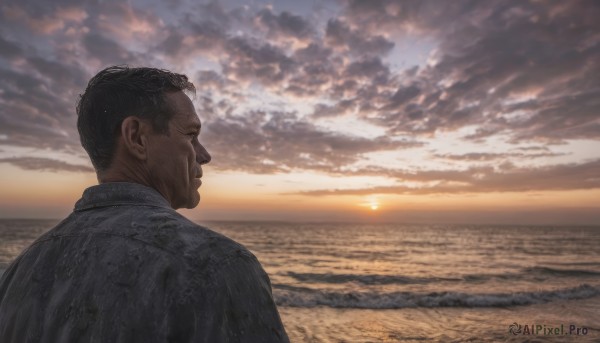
(172, 231)
(193, 237)
(163, 230)
(206, 244)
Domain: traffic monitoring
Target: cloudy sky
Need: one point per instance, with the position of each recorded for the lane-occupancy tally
(416, 111)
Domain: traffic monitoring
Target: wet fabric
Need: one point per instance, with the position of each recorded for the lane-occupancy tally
(125, 267)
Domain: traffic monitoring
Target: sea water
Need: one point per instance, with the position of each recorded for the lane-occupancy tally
(415, 283)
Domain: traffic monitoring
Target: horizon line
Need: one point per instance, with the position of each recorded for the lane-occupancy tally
(357, 222)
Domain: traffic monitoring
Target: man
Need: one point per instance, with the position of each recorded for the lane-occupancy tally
(124, 266)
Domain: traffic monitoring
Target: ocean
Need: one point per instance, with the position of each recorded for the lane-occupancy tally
(414, 283)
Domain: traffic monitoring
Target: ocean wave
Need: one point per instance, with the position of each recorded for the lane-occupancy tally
(586, 263)
(397, 300)
(561, 272)
(365, 279)
(379, 279)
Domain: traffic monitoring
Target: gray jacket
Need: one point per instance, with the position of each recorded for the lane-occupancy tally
(125, 267)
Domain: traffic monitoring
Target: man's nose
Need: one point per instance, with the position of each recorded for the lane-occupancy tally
(202, 155)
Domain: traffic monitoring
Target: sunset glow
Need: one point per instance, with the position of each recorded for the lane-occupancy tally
(328, 110)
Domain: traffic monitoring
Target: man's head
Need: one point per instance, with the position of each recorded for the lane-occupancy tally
(138, 125)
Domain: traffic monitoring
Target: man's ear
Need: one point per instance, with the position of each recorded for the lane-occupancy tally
(134, 132)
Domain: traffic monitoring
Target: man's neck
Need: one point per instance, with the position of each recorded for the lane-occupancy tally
(123, 173)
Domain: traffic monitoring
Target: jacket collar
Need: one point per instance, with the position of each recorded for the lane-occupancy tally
(118, 194)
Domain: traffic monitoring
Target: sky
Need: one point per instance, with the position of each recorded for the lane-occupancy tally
(335, 110)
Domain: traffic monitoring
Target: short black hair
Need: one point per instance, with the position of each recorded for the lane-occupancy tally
(116, 93)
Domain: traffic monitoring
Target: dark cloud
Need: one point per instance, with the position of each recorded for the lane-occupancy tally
(277, 141)
(311, 79)
(404, 94)
(284, 25)
(342, 107)
(533, 148)
(357, 42)
(254, 61)
(490, 56)
(209, 79)
(371, 69)
(107, 51)
(215, 13)
(426, 16)
(313, 53)
(47, 164)
(203, 32)
(483, 180)
(193, 39)
(9, 49)
(487, 156)
(206, 35)
(522, 71)
(574, 115)
(58, 73)
(318, 68)
(34, 113)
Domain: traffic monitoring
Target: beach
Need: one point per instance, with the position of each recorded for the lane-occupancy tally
(415, 283)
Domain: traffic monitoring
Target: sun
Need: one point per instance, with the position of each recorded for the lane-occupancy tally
(371, 203)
